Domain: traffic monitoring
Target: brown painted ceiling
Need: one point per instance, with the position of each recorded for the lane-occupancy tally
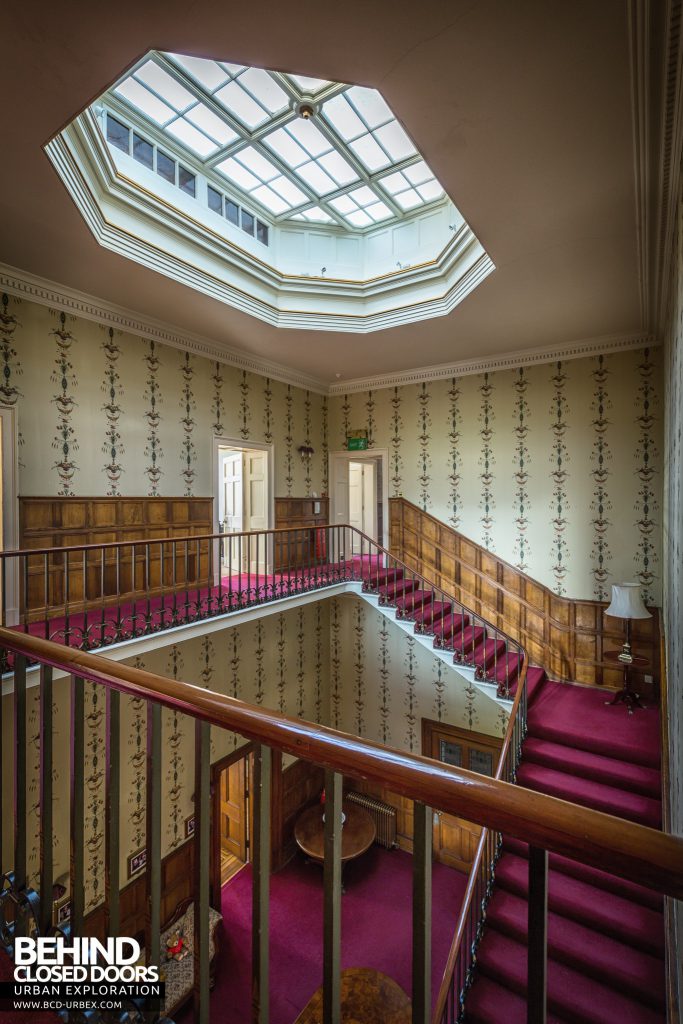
(522, 109)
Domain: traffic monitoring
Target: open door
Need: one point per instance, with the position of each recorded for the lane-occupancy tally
(256, 504)
(363, 500)
(234, 817)
(231, 501)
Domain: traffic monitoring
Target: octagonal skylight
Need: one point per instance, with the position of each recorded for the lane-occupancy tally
(297, 148)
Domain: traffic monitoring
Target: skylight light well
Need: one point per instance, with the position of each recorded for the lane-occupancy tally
(298, 148)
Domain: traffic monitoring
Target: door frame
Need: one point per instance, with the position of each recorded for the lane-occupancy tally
(218, 442)
(341, 459)
(10, 509)
(217, 769)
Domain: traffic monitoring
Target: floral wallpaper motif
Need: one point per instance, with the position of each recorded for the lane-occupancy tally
(396, 441)
(152, 396)
(188, 452)
(218, 406)
(424, 461)
(370, 422)
(137, 766)
(307, 441)
(410, 702)
(359, 672)
(335, 665)
(267, 411)
(454, 454)
(245, 412)
(324, 447)
(384, 659)
(258, 655)
(601, 505)
(281, 643)
(346, 423)
(439, 672)
(289, 440)
(318, 655)
(172, 743)
(64, 440)
(11, 366)
(559, 473)
(486, 461)
(95, 724)
(113, 390)
(646, 504)
(521, 472)
(300, 663)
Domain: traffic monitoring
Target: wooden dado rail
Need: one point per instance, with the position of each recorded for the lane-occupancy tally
(546, 823)
(566, 637)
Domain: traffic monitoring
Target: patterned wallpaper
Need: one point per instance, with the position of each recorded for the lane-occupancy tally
(105, 412)
(383, 682)
(555, 467)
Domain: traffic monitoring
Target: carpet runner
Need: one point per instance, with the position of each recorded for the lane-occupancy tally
(605, 934)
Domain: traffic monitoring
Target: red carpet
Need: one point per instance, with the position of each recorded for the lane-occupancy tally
(376, 931)
(605, 935)
(21, 1016)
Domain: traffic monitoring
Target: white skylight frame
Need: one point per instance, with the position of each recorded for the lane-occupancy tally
(241, 128)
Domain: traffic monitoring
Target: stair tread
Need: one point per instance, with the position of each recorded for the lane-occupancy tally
(592, 876)
(605, 912)
(607, 770)
(608, 960)
(490, 1003)
(571, 994)
(588, 793)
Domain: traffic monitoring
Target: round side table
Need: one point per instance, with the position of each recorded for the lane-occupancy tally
(626, 695)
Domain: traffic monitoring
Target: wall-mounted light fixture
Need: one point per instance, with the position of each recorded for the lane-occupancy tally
(306, 452)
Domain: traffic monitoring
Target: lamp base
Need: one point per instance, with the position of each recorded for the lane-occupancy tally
(625, 656)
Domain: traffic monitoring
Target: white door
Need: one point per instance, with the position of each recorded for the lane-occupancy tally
(256, 505)
(362, 501)
(231, 503)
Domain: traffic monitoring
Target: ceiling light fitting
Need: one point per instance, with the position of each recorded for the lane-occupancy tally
(305, 110)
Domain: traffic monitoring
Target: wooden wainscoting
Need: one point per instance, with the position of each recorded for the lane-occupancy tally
(295, 550)
(566, 637)
(295, 788)
(62, 522)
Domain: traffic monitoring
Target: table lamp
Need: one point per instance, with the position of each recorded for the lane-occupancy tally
(627, 604)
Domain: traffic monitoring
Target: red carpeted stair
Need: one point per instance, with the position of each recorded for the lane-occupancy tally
(605, 934)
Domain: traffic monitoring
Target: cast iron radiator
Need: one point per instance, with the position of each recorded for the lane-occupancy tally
(383, 815)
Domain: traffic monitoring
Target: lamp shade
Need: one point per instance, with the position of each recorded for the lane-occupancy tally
(627, 602)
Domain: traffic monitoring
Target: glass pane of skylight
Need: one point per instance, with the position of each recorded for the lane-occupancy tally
(394, 183)
(234, 69)
(316, 178)
(288, 190)
(370, 105)
(256, 163)
(266, 90)
(211, 123)
(417, 173)
(335, 164)
(343, 204)
(188, 134)
(372, 155)
(430, 190)
(363, 196)
(165, 86)
(282, 143)
(238, 102)
(309, 85)
(310, 137)
(143, 99)
(240, 175)
(378, 211)
(315, 214)
(270, 200)
(206, 72)
(395, 141)
(344, 118)
(359, 218)
(408, 200)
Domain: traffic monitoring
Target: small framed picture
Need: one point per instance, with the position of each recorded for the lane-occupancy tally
(61, 910)
(136, 862)
(189, 826)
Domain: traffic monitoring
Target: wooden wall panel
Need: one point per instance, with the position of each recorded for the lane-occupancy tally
(567, 637)
(295, 550)
(64, 522)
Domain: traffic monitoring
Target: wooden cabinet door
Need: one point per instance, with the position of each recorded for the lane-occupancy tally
(233, 809)
(455, 841)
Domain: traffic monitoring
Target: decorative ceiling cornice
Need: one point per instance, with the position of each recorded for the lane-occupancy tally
(58, 296)
(509, 361)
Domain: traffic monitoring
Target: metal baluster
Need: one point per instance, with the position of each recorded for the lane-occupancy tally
(422, 914)
(46, 594)
(162, 585)
(112, 884)
(261, 886)
(258, 585)
(77, 809)
(3, 590)
(84, 571)
(148, 608)
(239, 570)
(102, 612)
(26, 595)
(134, 588)
(153, 837)
(289, 562)
(332, 882)
(46, 761)
(230, 574)
(118, 594)
(198, 576)
(19, 775)
(202, 839)
(187, 583)
(174, 566)
(537, 943)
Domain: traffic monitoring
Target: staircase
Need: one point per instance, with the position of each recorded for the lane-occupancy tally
(457, 635)
(605, 935)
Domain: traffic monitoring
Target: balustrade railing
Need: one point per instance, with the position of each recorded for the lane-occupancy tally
(90, 596)
(546, 823)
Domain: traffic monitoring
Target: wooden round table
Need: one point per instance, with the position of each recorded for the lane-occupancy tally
(358, 832)
(626, 695)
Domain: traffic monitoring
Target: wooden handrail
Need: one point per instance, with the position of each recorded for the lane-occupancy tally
(633, 851)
